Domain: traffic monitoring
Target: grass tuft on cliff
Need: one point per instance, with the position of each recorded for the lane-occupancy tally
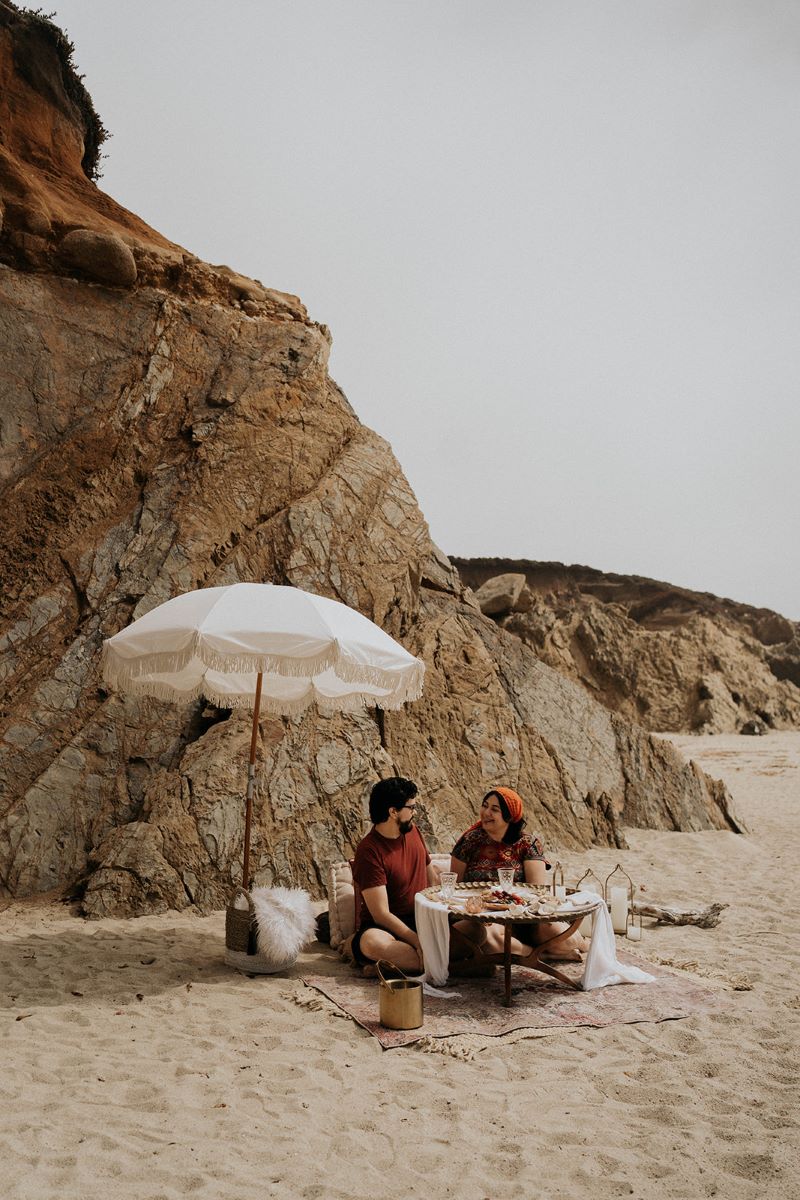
(39, 24)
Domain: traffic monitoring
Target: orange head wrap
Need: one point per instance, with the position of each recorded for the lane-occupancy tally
(512, 800)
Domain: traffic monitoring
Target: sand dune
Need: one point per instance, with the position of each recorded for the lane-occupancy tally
(135, 1064)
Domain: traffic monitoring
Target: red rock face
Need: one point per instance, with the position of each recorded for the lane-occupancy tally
(42, 180)
(181, 430)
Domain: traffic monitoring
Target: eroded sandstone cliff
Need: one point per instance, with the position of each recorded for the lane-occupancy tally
(174, 426)
(664, 656)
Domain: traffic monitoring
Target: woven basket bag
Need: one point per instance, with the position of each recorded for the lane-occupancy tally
(240, 925)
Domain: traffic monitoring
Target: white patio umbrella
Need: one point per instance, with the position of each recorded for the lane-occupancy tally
(265, 647)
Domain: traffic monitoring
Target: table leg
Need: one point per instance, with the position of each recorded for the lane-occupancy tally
(535, 960)
(507, 962)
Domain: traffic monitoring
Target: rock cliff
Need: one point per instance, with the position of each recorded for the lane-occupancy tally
(664, 656)
(166, 425)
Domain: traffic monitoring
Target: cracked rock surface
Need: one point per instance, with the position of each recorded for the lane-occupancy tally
(182, 431)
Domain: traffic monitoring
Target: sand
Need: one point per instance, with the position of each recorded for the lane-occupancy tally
(135, 1064)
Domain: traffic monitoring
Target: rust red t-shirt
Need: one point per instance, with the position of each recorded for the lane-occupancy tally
(398, 864)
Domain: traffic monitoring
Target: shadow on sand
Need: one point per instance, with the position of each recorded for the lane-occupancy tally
(69, 962)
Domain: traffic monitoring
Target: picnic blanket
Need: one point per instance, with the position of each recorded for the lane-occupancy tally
(539, 1002)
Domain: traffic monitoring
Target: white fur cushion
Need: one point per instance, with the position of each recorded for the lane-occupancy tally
(341, 897)
(285, 921)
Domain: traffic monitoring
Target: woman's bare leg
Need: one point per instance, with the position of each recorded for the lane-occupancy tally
(466, 939)
(570, 949)
(488, 938)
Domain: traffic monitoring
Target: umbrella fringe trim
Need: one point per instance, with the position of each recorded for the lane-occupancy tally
(118, 671)
(125, 673)
(410, 688)
(163, 691)
(287, 708)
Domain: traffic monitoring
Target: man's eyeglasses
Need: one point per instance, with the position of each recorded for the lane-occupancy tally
(411, 808)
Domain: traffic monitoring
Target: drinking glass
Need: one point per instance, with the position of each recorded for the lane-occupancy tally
(447, 884)
(505, 876)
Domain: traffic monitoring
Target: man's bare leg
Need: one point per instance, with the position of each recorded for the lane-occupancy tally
(378, 944)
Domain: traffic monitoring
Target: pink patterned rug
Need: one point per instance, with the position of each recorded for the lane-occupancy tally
(538, 1002)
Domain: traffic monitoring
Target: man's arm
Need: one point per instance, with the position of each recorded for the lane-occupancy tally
(377, 901)
(434, 875)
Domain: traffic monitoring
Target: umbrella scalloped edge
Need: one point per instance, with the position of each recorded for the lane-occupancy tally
(130, 675)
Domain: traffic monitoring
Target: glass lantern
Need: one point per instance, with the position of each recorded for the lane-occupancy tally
(589, 882)
(618, 895)
(634, 928)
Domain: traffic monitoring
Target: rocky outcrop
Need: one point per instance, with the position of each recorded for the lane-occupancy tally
(180, 430)
(663, 656)
(504, 594)
(102, 257)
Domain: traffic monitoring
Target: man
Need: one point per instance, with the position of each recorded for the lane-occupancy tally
(391, 865)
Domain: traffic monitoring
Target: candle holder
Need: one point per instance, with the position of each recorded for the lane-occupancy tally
(589, 875)
(633, 927)
(592, 884)
(619, 897)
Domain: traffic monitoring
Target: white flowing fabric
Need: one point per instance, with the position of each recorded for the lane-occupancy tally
(601, 967)
(214, 641)
(433, 931)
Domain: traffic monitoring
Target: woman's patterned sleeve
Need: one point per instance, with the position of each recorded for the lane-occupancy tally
(534, 851)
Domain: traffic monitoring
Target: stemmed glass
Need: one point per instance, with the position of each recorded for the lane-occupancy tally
(447, 884)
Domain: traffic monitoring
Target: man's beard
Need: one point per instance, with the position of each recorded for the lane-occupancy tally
(406, 826)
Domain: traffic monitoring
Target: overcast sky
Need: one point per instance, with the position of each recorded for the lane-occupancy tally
(556, 244)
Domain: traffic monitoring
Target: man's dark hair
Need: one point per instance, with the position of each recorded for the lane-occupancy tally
(389, 793)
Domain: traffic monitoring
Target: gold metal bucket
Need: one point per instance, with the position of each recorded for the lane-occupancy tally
(400, 1000)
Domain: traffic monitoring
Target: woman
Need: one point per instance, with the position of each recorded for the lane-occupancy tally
(497, 840)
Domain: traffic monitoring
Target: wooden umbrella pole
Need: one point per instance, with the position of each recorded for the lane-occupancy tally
(251, 784)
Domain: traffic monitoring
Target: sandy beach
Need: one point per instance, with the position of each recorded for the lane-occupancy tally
(135, 1064)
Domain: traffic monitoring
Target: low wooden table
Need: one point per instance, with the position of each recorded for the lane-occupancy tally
(534, 959)
(506, 959)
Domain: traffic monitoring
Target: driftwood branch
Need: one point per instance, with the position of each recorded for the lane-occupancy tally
(706, 918)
